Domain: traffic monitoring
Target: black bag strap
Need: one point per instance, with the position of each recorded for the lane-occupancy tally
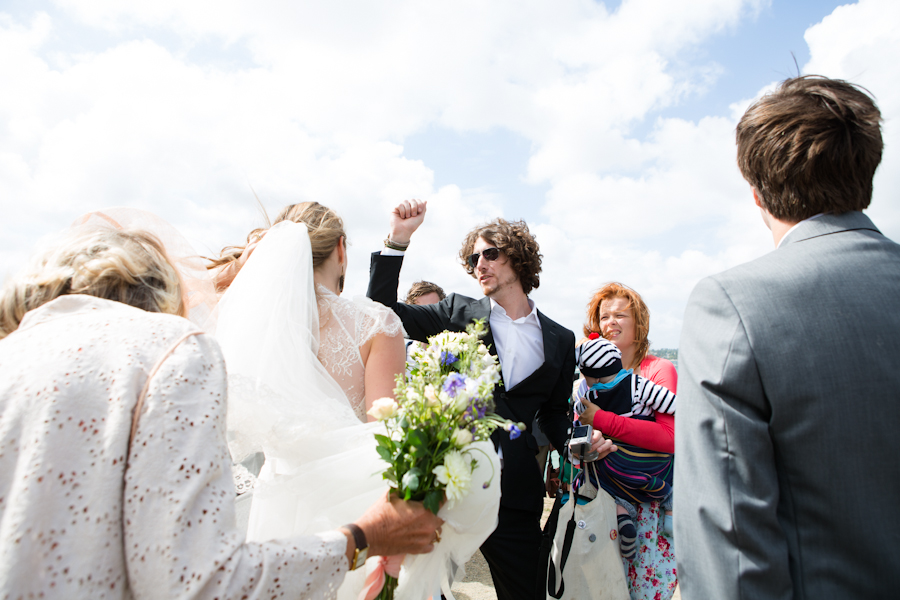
(567, 546)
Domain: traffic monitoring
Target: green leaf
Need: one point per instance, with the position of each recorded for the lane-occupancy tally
(390, 475)
(433, 500)
(417, 437)
(411, 480)
(384, 453)
(384, 440)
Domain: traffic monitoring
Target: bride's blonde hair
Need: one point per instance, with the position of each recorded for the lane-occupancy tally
(325, 232)
(126, 266)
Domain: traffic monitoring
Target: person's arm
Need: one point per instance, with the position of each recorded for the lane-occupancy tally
(654, 396)
(387, 358)
(728, 539)
(658, 436)
(180, 537)
(384, 270)
(180, 534)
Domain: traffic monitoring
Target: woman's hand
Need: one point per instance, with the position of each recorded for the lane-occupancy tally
(392, 526)
(601, 445)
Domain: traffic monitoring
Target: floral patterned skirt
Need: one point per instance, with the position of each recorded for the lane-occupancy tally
(652, 575)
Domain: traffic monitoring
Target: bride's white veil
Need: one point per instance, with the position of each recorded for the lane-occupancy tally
(268, 328)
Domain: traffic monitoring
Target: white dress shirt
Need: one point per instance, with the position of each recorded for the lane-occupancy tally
(520, 343)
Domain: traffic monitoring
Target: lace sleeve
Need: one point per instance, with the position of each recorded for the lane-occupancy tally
(373, 318)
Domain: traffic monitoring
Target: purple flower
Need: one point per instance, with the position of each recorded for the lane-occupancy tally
(454, 383)
(481, 411)
(514, 431)
(448, 358)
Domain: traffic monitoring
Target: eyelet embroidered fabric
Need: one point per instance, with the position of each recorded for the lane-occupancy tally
(78, 523)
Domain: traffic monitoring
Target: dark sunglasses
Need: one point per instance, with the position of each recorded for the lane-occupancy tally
(490, 254)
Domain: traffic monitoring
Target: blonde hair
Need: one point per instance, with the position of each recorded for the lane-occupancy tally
(325, 232)
(126, 266)
(639, 312)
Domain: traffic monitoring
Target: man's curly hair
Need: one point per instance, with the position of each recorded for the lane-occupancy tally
(516, 242)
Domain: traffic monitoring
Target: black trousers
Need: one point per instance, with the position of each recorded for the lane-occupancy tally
(512, 553)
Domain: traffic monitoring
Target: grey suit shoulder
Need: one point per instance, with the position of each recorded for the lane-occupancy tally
(789, 400)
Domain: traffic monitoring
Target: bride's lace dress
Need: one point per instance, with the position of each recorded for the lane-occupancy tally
(344, 327)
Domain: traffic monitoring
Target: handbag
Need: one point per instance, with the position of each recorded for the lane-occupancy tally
(580, 548)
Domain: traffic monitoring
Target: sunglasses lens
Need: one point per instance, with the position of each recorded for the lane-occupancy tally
(491, 253)
(472, 260)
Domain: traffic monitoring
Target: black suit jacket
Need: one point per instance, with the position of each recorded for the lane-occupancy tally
(544, 393)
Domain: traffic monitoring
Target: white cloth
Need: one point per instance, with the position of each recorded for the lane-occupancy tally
(322, 469)
(74, 522)
(520, 343)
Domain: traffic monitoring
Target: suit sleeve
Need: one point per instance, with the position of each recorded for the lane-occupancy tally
(553, 416)
(420, 322)
(728, 540)
(384, 278)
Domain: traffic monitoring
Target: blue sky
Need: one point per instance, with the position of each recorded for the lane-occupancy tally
(609, 128)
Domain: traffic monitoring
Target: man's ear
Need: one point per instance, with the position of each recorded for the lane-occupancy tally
(756, 198)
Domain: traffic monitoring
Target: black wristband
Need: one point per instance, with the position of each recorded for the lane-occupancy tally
(359, 538)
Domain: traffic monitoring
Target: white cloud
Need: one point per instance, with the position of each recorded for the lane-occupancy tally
(324, 94)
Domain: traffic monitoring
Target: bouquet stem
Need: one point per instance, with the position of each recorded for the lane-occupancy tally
(390, 585)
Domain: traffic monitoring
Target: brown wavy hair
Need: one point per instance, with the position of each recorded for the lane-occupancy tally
(639, 312)
(516, 242)
(325, 232)
(811, 146)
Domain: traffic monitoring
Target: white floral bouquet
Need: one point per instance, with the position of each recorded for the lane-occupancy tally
(443, 405)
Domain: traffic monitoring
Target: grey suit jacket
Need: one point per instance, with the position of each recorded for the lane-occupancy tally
(787, 470)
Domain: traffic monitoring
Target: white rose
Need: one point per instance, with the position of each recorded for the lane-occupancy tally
(462, 437)
(431, 396)
(383, 408)
(462, 400)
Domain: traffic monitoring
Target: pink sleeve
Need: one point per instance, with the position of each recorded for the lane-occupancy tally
(656, 436)
(660, 371)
